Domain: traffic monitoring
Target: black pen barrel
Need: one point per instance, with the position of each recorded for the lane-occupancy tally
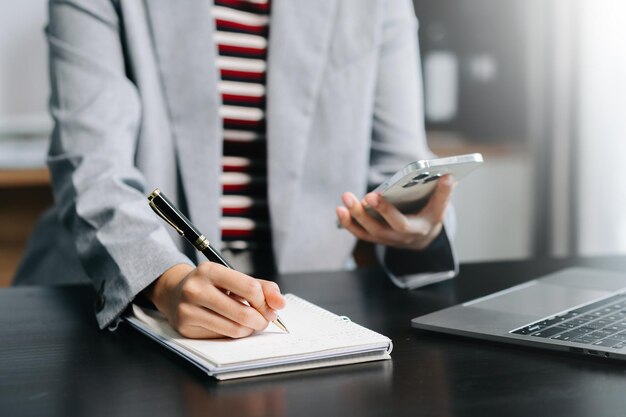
(214, 256)
(164, 208)
(170, 212)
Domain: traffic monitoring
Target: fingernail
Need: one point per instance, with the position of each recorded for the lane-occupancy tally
(271, 315)
(372, 200)
(449, 180)
(348, 200)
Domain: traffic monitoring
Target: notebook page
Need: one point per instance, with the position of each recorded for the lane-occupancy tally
(298, 366)
(314, 332)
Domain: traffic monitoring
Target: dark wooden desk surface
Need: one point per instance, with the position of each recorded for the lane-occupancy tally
(54, 361)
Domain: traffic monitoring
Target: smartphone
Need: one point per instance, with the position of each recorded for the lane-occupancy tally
(410, 188)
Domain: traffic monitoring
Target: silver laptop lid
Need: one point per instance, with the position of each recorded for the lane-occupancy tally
(496, 316)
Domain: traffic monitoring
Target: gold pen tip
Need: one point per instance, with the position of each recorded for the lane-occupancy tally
(278, 322)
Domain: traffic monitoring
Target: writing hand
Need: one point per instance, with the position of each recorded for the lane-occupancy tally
(208, 301)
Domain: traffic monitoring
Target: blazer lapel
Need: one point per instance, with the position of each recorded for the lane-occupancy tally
(300, 32)
(185, 51)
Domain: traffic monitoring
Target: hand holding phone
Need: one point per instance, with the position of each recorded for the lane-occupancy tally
(410, 213)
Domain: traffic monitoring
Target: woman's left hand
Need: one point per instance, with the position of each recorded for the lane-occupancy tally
(405, 231)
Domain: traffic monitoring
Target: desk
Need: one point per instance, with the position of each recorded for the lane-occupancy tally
(54, 361)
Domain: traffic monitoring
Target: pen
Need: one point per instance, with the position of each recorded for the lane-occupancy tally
(166, 210)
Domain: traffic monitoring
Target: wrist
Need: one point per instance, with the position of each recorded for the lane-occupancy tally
(169, 279)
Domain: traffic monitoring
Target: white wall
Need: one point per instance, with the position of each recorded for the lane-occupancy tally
(23, 63)
(602, 158)
(493, 204)
(494, 208)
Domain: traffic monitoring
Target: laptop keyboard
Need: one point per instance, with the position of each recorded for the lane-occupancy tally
(601, 323)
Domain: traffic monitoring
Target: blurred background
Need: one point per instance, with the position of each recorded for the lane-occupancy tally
(537, 86)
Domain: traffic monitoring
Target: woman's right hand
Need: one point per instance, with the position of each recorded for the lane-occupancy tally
(207, 302)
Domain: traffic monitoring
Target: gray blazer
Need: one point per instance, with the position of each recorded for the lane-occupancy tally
(135, 103)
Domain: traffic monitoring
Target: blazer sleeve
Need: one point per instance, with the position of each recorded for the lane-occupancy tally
(398, 138)
(99, 193)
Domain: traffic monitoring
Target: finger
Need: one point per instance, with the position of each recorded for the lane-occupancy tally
(202, 292)
(417, 240)
(436, 208)
(346, 221)
(241, 284)
(399, 222)
(408, 231)
(377, 231)
(357, 211)
(275, 300)
(197, 322)
(213, 299)
(389, 237)
(236, 297)
(423, 243)
(396, 220)
(198, 332)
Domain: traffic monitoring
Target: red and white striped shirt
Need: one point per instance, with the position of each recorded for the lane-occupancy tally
(242, 28)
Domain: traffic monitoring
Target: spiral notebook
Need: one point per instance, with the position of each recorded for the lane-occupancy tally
(317, 338)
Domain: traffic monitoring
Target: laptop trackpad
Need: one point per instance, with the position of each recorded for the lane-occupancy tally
(537, 299)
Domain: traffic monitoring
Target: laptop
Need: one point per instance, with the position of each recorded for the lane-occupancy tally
(577, 309)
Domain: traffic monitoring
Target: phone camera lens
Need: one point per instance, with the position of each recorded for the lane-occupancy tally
(410, 184)
(433, 178)
(421, 176)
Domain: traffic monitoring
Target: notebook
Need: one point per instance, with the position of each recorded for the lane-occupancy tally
(317, 338)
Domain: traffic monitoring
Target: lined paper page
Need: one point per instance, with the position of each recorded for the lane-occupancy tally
(315, 332)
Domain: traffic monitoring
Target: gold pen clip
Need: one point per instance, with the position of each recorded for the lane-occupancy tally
(151, 198)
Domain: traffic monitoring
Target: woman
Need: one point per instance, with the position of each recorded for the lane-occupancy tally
(253, 122)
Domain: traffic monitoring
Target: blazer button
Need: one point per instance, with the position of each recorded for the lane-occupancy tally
(100, 299)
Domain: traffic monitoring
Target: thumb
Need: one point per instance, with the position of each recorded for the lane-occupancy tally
(273, 297)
